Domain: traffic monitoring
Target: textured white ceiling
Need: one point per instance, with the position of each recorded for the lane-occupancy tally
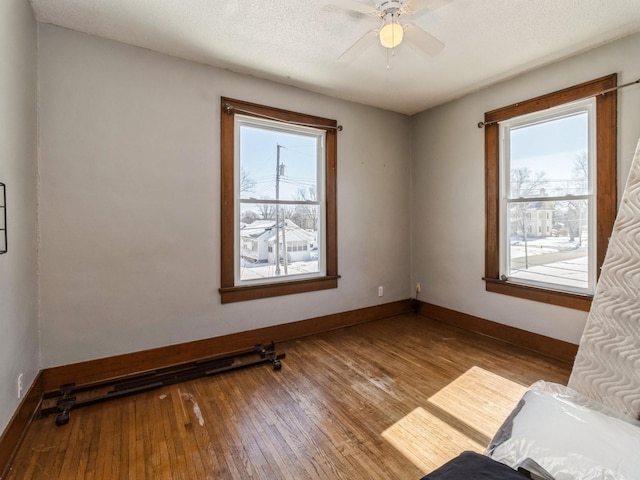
(298, 42)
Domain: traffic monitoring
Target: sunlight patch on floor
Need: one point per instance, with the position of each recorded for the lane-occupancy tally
(426, 440)
(464, 415)
(480, 399)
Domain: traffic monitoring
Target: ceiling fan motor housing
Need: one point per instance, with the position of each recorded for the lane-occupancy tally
(390, 6)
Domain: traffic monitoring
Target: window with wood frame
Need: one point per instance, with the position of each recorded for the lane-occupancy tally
(278, 188)
(550, 167)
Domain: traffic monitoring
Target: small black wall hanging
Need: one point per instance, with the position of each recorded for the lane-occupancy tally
(3, 218)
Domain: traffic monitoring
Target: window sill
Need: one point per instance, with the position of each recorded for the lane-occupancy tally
(536, 294)
(254, 292)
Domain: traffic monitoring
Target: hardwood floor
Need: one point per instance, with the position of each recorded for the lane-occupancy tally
(389, 399)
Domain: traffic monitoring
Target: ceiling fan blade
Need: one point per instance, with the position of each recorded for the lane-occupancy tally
(423, 40)
(423, 6)
(363, 43)
(366, 9)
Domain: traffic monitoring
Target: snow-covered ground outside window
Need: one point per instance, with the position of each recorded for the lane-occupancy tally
(551, 260)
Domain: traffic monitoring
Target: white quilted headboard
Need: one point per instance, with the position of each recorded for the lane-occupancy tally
(607, 366)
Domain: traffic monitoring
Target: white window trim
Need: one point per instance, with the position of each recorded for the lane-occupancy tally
(589, 106)
(279, 126)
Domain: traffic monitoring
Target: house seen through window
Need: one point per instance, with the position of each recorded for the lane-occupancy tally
(278, 221)
(550, 165)
(548, 198)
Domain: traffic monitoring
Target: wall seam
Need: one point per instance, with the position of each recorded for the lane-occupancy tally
(38, 197)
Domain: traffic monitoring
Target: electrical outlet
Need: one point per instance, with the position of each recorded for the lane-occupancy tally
(418, 287)
(380, 290)
(20, 386)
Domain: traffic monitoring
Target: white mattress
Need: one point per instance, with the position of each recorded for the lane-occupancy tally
(607, 366)
(558, 434)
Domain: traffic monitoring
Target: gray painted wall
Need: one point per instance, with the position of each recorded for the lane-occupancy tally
(130, 207)
(19, 350)
(129, 198)
(448, 188)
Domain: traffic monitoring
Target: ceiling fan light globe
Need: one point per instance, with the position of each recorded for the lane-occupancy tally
(391, 35)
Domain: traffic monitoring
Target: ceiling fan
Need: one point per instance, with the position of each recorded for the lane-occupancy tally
(391, 32)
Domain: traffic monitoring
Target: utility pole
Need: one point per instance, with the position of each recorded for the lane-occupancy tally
(278, 147)
(285, 254)
(279, 173)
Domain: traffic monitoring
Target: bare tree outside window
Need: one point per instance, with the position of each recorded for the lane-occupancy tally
(571, 216)
(547, 200)
(267, 211)
(267, 155)
(247, 184)
(305, 215)
(570, 135)
(524, 184)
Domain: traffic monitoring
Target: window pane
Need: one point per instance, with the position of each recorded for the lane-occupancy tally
(548, 243)
(275, 165)
(293, 240)
(514, 140)
(279, 212)
(550, 158)
(278, 202)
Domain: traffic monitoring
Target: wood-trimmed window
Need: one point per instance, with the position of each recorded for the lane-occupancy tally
(278, 202)
(602, 181)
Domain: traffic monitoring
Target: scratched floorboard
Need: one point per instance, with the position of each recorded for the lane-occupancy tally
(392, 399)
